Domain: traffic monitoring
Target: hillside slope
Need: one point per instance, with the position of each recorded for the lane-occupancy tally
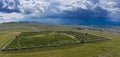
(99, 49)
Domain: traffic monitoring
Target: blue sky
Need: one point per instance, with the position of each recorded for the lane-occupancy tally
(61, 11)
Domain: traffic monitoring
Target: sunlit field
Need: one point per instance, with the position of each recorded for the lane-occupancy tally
(109, 48)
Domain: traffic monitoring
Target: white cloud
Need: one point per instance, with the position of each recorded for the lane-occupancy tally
(40, 7)
(110, 5)
(33, 6)
(10, 4)
(5, 17)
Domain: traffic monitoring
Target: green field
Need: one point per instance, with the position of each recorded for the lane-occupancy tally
(44, 38)
(110, 48)
(28, 39)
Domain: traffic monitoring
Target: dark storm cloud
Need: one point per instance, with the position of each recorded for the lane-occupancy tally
(90, 11)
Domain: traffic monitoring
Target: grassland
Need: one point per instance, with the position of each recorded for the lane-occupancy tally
(51, 38)
(109, 48)
(28, 39)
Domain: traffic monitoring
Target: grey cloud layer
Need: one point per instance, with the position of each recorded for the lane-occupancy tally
(54, 8)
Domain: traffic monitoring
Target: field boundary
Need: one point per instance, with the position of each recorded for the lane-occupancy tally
(10, 41)
(4, 48)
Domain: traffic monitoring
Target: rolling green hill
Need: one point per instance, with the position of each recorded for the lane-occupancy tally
(110, 48)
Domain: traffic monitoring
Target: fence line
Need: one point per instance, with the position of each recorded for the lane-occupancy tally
(52, 45)
(4, 48)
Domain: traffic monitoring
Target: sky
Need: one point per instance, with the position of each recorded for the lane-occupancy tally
(61, 11)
